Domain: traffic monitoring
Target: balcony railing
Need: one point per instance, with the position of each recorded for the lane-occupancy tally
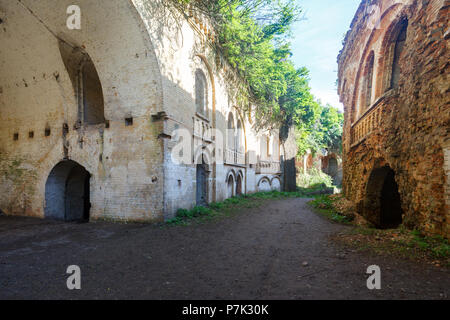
(202, 129)
(234, 157)
(229, 156)
(370, 121)
(267, 167)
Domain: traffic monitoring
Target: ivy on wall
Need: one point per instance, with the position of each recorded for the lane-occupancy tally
(254, 37)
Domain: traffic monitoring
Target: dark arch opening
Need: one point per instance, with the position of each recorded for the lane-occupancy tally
(230, 186)
(231, 132)
(201, 93)
(398, 46)
(332, 166)
(393, 45)
(202, 184)
(67, 192)
(369, 79)
(239, 185)
(383, 205)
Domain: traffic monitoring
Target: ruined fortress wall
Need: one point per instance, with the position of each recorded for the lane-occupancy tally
(405, 127)
(146, 58)
(36, 95)
(183, 45)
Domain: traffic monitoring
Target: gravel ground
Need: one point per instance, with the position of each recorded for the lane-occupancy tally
(278, 251)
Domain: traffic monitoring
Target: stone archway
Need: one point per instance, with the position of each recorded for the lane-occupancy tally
(276, 184)
(239, 185)
(382, 204)
(333, 167)
(67, 192)
(264, 185)
(202, 185)
(230, 186)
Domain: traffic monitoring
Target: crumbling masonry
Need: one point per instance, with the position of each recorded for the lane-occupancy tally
(393, 81)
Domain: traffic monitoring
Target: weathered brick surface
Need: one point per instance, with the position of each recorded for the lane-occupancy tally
(407, 127)
(146, 58)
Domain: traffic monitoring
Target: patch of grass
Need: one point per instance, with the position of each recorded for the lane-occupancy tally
(403, 243)
(324, 204)
(399, 242)
(229, 206)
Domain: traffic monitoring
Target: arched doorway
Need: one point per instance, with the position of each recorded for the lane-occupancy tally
(202, 185)
(333, 167)
(239, 185)
(230, 186)
(383, 203)
(67, 192)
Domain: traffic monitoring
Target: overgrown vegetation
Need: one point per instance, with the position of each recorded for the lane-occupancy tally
(254, 37)
(314, 177)
(325, 133)
(324, 204)
(399, 242)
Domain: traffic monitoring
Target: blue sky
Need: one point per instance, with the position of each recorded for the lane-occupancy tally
(318, 40)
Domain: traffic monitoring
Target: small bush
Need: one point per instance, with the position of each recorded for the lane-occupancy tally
(314, 178)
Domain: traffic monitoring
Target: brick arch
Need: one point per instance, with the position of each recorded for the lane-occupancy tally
(388, 15)
(382, 202)
(388, 48)
(239, 183)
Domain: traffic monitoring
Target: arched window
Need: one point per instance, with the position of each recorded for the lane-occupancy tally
(399, 45)
(276, 148)
(394, 47)
(230, 132)
(265, 147)
(369, 79)
(86, 84)
(239, 137)
(201, 93)
(91, 93)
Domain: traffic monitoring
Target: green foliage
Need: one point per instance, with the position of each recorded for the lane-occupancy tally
(325, 205)
(314, 177)
(324, 133)
(254, 36)
(438, 247)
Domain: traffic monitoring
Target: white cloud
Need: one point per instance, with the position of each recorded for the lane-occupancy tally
(328, 96)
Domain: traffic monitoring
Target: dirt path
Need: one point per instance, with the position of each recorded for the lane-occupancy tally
(257, 254)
